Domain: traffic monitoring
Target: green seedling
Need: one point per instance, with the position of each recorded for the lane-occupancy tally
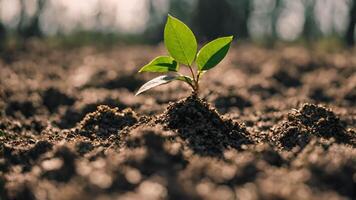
(182, 47)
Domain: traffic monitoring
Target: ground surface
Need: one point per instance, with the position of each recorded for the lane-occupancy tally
(273, 124)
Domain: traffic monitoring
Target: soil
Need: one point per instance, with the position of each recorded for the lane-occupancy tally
(269, 124)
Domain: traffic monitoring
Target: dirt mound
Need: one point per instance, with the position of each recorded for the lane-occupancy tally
(75, 114)
(106, 121)
(321, 120)
(307, 122)
(206, 132)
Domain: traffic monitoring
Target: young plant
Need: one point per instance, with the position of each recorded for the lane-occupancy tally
(182, 47)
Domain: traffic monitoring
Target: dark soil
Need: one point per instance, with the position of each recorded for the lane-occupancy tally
(106, 121)
(207, 132)
(311, 121)
(269, 124)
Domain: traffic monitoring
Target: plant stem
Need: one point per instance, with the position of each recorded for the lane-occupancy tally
(195, 79)
(191, 71)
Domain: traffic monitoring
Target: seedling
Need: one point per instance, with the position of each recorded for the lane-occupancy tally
(182, 47)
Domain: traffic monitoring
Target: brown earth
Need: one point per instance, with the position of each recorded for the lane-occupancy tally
(269, 124)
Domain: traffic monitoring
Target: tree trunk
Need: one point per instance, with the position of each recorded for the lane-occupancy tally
(310, 28)
(216, 18)
(350, 33)
(30, 28)
(2, 35)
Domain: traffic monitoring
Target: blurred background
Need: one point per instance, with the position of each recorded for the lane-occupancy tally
(141, 21)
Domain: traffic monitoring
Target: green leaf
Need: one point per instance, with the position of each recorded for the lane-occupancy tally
(161, 64)
(180, 41)
(213, 52)
(160, 80)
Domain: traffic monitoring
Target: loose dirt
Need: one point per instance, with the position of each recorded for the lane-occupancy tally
(269, 124)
